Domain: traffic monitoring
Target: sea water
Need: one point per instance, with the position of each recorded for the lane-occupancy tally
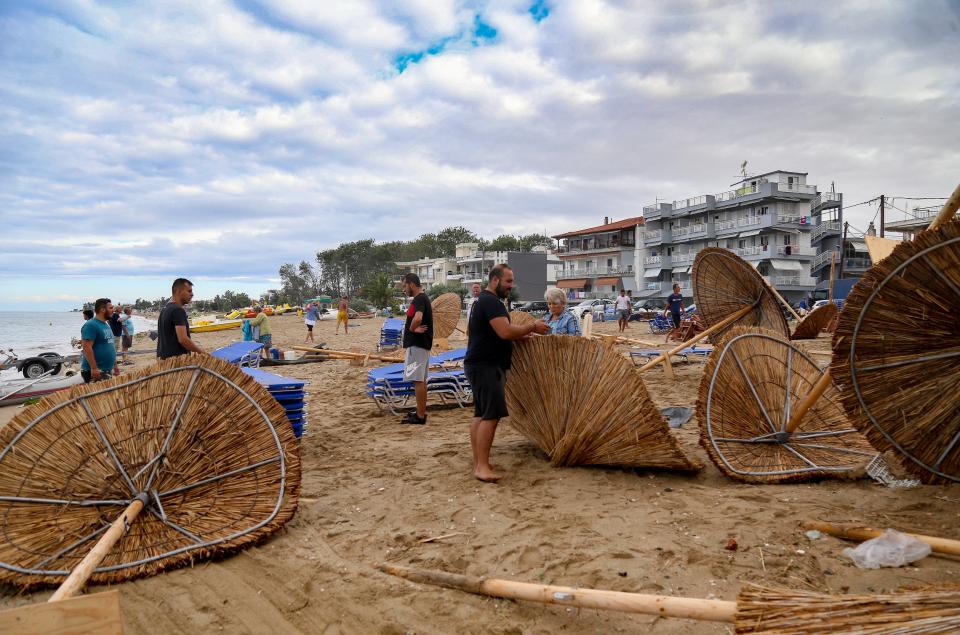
(31, 332)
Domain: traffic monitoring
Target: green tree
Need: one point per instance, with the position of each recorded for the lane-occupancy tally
(380, 291)
(528, 242)
(506, 242)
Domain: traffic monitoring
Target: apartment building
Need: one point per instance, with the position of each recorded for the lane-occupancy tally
(432, 270)
(766, 219)
(599, 261)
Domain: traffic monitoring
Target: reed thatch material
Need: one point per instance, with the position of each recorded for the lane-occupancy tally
(724, 283)
(53, 451)
(521, 317)
(446, 314)
(583, 404)
(817, 320)
(782, 612)
(737, 434)
(896, 354)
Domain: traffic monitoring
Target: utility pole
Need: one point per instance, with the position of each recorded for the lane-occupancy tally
(882, 201)
(843, 247)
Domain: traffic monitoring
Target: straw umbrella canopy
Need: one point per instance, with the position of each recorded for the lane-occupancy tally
(583, 404)
(446, 314)
(207, 449)
(521, 317)
(896, 353)
(724, 283)
(815, 322)
(750, 383)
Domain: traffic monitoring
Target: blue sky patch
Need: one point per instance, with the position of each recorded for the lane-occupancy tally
(539, 10)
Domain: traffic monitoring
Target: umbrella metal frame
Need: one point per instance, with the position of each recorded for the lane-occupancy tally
(779, 434)
(149, 496)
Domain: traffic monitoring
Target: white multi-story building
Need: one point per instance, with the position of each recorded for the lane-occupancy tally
(432, 270)
(599, 261)
(766, 220)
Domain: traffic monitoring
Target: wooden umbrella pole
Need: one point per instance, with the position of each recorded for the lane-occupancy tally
(948, 210)
(818, 389)
(833, 258)
(662, 605)
(722, 324)
(82, 572)
(784, 302)
(343, 354)
(852, 531)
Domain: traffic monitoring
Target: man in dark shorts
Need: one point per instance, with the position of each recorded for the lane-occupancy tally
(675, 306)
(116, 326)
(417, 343)
(489, 352)
(173, 326)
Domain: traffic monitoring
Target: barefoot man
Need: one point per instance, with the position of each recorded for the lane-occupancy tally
(489, 351)
(342, 315)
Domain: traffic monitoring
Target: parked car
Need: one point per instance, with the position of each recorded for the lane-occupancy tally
(596, 306)
(648, 308)
(534, 306)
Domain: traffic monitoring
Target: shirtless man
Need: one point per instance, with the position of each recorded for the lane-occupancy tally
(342, 316)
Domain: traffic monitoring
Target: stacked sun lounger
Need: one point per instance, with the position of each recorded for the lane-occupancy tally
(390, 391)
(289, 393)
(692, 352)
(242, 354)
(391, 333)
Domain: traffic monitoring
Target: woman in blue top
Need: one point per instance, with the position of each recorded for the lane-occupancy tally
(560, 321)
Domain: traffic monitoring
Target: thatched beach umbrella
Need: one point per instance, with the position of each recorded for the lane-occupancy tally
(815, 322)
(446, 314)
(521, 317)
(751, 386)
(191, 458)
(583, 404)
(724, 283)
(896, 353)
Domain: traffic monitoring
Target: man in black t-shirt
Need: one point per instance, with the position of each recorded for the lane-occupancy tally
(417, 343)
(173, 326)
(489, 352)
(675, 305)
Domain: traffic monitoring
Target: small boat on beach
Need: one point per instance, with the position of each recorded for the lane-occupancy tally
(208, 326)
(15, 391)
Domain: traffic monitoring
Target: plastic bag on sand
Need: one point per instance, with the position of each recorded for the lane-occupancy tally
(890, 549)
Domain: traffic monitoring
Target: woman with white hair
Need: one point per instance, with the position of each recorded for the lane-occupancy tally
(560, 321)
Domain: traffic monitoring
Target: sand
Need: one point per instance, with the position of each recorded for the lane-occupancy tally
(373, 489)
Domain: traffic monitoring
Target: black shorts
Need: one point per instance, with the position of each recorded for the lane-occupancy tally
(88, 376)
(127, 342)
(489, 385)
(309, 328)
(676, 319)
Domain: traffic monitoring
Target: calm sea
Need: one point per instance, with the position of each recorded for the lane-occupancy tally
(28, 332)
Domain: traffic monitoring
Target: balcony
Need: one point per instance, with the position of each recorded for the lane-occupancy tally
(689, 232)
(653, 260)
(730, 195)
(820, 230)
(786, 186)
(652, 237)
(693, 201)
(651, 286)
(593, 272)
(685, 285)
(726, 225)
(826, 199)
(749, 221)
(683, 259)
(780, 282)
(651, 212)
(794, 250)
(856, 263)
(594, 248)
(821, 259)
(756, 250)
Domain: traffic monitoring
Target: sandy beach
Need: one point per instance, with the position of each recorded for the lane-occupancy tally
(373, 490)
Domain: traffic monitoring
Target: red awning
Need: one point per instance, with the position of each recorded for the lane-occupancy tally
(601, 281)
(574, 283)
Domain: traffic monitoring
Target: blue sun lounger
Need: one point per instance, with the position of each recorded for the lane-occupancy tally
(389, 390)
(391, 333)
(242, 354)
(289, 393)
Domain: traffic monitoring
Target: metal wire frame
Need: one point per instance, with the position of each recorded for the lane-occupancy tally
(777, 434)
(855, 380)
(199, 542)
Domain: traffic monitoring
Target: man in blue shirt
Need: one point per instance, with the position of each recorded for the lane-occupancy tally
(99, 352)
(675, 305)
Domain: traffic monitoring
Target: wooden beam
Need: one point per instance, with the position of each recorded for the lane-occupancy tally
(95, 614)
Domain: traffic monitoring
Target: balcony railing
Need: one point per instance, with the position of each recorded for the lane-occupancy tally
(821, 259)
(689, 231)
(652, 286)
(652, 236)
(690, 202)
(857, 263)
(592, 248)
(794, 250)
(651, 212)
(823, 228)
(787, 186)
(685, 285)
(595, 271)
(791, 281)
(653, 260)
(755, 250)
(737, 193)
(724, 225)
(681, 259)
(749, 221)
(825, 197)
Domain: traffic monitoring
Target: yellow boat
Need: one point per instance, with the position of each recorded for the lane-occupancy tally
(232, 315)
(208, 326)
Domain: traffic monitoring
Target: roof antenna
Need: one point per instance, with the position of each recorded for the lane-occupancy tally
(743, 169)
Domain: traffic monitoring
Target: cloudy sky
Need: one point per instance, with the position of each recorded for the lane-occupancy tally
(217, 139)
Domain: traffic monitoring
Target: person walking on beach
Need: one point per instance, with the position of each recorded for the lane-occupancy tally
(488, 358)
(675, 306)
(128, 332)
(310, 319)
(417, 343)
(116, 327)
(623, 310)
(472, 300)
(173, 326)
(99, 352)
(342, 316)
(266, 335)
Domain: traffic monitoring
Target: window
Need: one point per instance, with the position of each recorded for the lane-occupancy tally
(763, 210)
(764, 240)
(791, 182)
(741, 244)
(669, 251)
(610, 262)
(786, 239)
